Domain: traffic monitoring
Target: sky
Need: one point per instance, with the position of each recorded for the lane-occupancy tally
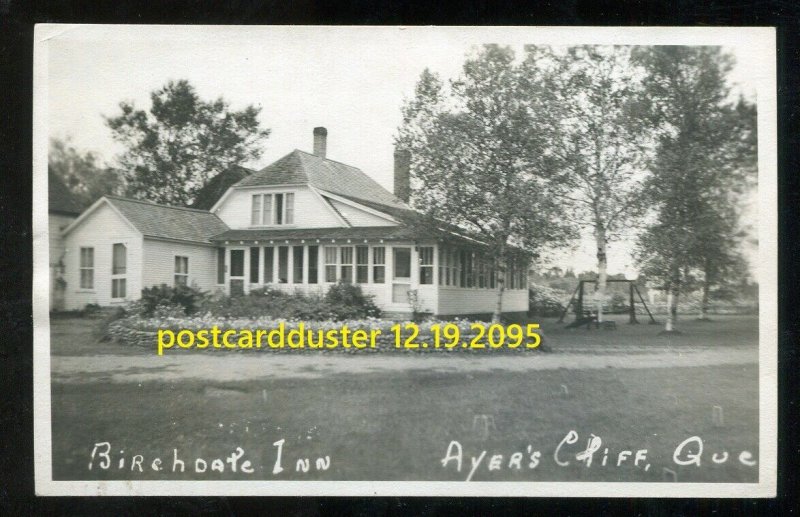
(351, 80)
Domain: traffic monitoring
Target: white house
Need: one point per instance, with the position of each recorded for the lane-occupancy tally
(300, 224)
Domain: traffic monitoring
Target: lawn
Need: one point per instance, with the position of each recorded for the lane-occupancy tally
(398, 425)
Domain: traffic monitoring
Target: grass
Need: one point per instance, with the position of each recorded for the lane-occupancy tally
(398, 426)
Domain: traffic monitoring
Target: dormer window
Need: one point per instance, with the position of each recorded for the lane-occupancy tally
(272, 209)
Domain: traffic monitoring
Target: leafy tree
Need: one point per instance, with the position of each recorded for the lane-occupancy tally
(698, 155)
(173, 149)
(717, 250)
(599, 146)
(477, 150)
(82, 172)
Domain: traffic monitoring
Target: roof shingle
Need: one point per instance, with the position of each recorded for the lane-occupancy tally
(169, 222)
(299, 167)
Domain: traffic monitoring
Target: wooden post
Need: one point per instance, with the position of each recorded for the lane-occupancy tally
(652, 319)
(566, 307)
(632, 306)
(579, 305)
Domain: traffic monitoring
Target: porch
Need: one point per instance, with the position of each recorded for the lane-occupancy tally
(403, 275)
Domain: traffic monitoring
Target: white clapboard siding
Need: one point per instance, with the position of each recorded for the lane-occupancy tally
(310, 211)
(101, 231)
(159, 263)
(454, 300)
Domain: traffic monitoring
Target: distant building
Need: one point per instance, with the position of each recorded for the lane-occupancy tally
(63, 209)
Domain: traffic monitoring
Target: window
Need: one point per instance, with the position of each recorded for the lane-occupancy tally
(442, 265)
(269, 259)
(481, 273)
(462, 269)
(426, 264)
(220, 265)
(469, 267)
(402, 262)
(266, 216)
(255, 214)
(254, 256)
(347, 264)
(181, 270)
(283, 264)
(278, 208)
(272, 209)
(297, 262)
(237, 273)
(87, 268)
(330, 263)
(118, 264)
(379, 265)
(119, 267)
(118, 287)
(289, 208)
(362, 264)
(313, 264)
(237, 263)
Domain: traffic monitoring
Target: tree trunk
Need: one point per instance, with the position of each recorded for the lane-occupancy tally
(675, 296)
(501, 284)
(706, 290)
(704, 302)
(668, 327)
(672, 302)
(602, 269)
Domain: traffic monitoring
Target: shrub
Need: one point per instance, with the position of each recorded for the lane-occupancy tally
(545, 301)
(342, 301)
(348, 301)
(189, 298)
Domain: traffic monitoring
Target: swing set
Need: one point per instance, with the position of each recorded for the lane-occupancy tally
(584, 316)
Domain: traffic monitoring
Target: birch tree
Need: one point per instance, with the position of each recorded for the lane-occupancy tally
(478, 158)
(691, 114)
(600, 145)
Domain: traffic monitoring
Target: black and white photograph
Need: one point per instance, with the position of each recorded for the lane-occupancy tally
(332, 260)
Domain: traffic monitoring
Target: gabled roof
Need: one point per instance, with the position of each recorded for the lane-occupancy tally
(210, 193)
(168, 222)
(60, 199)
(299, 167)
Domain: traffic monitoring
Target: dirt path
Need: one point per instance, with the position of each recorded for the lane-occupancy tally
(221, 367)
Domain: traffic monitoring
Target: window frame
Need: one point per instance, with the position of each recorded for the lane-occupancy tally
(254, 274)
(426, 269)
(375, 264)
(119, 273)
(221, 266)
(362, 267)
(350, 265)
(296, 266)
(176, 273)
(331, 266)
(267, 214)
(82, 267)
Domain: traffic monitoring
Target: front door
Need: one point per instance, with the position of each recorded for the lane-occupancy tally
(401, 274)
(236, 281)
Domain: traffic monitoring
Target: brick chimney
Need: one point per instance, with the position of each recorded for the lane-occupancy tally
(320, 141)
(402, 174)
